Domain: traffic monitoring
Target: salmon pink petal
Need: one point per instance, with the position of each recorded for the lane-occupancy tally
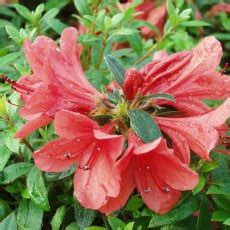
(156, 198)
(114, 143)
(179, 145)
(191, 106)
(171, 170)
(200, 137)
(33, 125)
(60, 154)
(36, 53)
(208, 52)
(93, 186)
(218, 116)
(74, 125)
(133, 81)
(160, 55)
(127, 184)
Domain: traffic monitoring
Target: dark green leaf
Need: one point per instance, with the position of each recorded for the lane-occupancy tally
(5, 156)
(185, 209)
(144, 125)
(116, 68)
(84, 217)
(61, 175)
(204, 219)
(14, 171)
(4, 209)
(58, 218)
(29, 215)
(9, 223)
(200, 185)
(115, 223)
(134, 203)
(220, 215)
(37, 189)
(222, 189)
(209, 166)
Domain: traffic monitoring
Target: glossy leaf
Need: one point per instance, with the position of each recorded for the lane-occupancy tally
(9, 223)
(58, 218)
(37, 189)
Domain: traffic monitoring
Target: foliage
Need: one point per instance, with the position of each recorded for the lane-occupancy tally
(31, 199)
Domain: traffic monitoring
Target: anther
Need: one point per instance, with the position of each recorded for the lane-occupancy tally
(165, 189)
(67, 155)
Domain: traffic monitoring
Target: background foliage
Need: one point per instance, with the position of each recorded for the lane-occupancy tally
(30, 199)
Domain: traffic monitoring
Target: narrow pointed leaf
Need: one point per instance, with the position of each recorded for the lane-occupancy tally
(164, 96)
(116, 68)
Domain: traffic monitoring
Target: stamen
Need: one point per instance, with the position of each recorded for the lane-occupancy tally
(92, 160)
(17, 87)
(10, 102)
(222, 72)
(67, 155)
(165, 189)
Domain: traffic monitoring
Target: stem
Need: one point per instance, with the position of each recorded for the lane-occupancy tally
(29, 146)
(154, 46)
(102, 51)
(105, 222)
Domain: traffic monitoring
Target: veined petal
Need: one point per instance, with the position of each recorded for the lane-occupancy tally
(60, 154)
(93, 186)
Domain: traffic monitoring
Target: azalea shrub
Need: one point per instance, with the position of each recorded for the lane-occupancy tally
(114, 115)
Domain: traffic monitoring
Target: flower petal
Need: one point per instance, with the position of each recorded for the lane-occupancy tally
(74, 125)
(32, 125)
(93, 186)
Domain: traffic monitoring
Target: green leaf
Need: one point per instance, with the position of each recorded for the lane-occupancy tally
(29, 216)
(200, 185)
(164, 96)
(56, 25)
(9, 223)
(24, 12)
(37, 189)
(94, 228)
(115, 223)
(5, 154)
(58, 218)
(4, 209)
(195, 23)
(220, 215)
(116, 68)
(227, 222)
(9, 58)
(223, 189)
(129, 226)
(116, 19)
(14, 171)
(204, 219)
(172, 13)
(134, 203)
(11, 143)
(83, 7)
(13, 33)
(182, 211)
(72, 226)
(84, 217)
(209, 166)
(61, 175)
(144, 125)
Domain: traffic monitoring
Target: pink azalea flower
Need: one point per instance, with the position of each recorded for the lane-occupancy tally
(82, 141)
(55, 71)
(156, 172)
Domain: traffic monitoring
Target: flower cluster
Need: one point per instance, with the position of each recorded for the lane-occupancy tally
(113, 158)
